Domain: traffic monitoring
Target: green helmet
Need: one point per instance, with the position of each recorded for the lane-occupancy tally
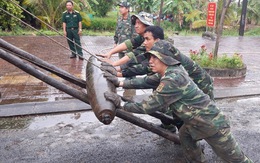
(124, 4)
(164, 51)
(144, 17)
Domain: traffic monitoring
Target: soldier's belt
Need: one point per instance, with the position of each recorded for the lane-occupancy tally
(73, 28)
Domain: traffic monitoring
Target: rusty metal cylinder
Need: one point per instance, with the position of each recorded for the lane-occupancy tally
(96, 85)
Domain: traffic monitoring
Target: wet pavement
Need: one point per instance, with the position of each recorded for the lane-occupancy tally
(77, 136)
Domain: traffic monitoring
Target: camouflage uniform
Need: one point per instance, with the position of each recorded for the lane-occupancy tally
(202, 118)
(138, 64)
(124, 29)
(199, 76)
(196, 73)
(137, 41)
(72, 27)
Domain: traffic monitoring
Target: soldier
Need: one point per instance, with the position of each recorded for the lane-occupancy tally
(124, 29)
(140, 21)
(176, 90)
(72, 28)
(154, 35)
(133, 63)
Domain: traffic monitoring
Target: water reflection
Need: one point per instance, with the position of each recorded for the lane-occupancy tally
(40, 122)
(62, 120)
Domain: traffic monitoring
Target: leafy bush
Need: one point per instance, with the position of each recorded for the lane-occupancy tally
(102, 7)
(7, 22)
(102, 24)
(207, 60)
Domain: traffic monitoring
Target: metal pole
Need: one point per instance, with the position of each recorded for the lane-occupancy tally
(41, 63)
(41, 76)
(84, 97)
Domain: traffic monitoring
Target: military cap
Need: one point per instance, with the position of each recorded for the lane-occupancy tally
(124, 4)
(163, 50)
(144, 17)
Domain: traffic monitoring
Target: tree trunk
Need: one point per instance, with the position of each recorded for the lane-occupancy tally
(160, 13)
(220, 26)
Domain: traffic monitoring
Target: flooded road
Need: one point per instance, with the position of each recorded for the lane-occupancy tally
(19, 87)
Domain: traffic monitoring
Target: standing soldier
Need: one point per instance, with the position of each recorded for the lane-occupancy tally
(124, 28)
(72, 28)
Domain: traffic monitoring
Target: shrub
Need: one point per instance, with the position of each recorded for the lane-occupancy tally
(7, 22)
(102, 24)
(207, 60)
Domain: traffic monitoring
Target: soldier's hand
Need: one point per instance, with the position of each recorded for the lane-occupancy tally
(80, 33)
(107, 67)
(104, 55)
(113, 97)
(107, 61)
(112, 78)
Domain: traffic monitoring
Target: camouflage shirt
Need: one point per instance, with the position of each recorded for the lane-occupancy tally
(177, 92)
(197, 73)
(134, 42)
(124, 30)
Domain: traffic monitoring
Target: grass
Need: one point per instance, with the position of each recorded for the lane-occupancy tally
(28, 32)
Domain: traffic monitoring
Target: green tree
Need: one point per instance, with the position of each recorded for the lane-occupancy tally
(253, 14)
(145, 5)
(178, 8)
(102, 7)
(198, 15)
(7, 22)
(50, 11)
(196, 19)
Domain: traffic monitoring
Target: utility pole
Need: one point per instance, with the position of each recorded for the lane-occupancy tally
(243, 18)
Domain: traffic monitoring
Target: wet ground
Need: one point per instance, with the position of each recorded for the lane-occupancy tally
(17, 87)
(80, 137)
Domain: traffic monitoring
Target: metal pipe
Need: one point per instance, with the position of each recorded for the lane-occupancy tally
(43, 64)
(41, 76)
(84, 97)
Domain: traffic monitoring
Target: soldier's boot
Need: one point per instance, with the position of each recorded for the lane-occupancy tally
(72, 56)
(81, 56)
(169, 127)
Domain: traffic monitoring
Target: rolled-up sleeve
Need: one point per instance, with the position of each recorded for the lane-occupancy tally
(168, 92)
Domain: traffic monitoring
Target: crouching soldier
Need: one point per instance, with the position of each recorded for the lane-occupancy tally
(176, 91)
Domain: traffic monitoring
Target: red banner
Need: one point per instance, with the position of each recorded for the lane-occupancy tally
(211, 16)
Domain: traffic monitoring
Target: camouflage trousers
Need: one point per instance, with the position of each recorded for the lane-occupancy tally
(222, 143)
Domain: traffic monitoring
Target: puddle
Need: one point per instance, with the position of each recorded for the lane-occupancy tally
(40, 122)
